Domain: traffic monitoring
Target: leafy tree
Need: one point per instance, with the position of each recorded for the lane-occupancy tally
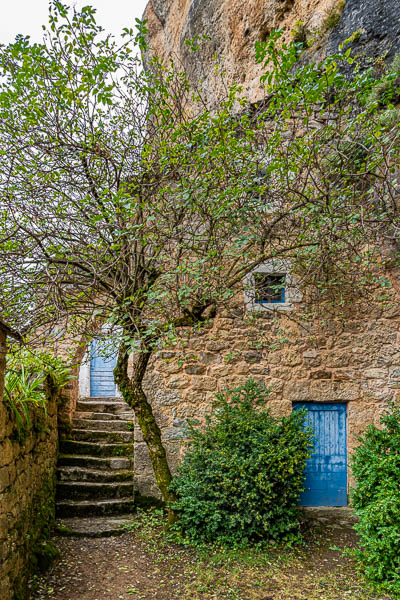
(127, 199)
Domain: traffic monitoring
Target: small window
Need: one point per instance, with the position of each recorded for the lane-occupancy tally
(269, 287)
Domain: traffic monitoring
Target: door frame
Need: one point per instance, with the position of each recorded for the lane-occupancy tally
(330, 403)
(84, 378)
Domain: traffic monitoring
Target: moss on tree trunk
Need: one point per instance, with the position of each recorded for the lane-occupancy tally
(133, 393)
(3, 352)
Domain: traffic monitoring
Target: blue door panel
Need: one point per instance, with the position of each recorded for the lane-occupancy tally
(326, 469)
(101, 372)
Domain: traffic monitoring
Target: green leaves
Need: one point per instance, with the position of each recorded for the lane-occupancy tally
(376, 499)
(242, 475)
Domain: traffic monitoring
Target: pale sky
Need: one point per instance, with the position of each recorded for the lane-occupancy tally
(28, 16)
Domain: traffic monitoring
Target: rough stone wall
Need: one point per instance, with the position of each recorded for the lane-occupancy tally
(356, 361)
(27, 490)
(234, 27)
(378, 22)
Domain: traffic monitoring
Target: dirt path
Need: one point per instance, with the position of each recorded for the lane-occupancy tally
(142, 564)
(107, 568)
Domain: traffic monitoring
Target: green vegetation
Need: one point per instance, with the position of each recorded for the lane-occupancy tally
(333, 17)
(386, 91)
(242, 475)
(313, 570)
(376, 499)
(146, 194)
(25, 385)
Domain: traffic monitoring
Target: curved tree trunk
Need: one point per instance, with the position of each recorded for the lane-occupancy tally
(3, 352)
(132, 391)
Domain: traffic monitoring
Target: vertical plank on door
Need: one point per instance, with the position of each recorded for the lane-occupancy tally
(101, 372)
(326, 469)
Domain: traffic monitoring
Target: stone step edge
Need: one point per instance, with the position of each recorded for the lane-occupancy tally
(95, 527)
(79, 416)
(84, 443)
(94, 484)
(70, 468)
(100, 430)
(99, 459)
(89, 503)
(102, 400)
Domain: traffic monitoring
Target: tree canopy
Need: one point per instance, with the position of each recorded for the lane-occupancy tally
(125, 198)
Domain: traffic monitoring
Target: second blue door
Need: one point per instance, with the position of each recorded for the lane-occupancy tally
(102, 371)
(326, 469)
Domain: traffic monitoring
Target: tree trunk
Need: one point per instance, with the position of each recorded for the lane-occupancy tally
(3, 352)
(132, 392)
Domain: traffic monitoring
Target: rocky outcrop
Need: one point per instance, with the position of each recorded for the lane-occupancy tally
(234, 26)
(377, 21)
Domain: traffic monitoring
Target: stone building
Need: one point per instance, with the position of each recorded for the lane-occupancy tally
(345, 370)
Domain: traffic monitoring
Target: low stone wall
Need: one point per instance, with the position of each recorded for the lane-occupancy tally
(27, 492)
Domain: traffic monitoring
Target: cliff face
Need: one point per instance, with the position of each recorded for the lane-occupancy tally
(234, 26)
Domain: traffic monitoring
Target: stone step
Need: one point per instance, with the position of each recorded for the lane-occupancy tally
(101, 398)
(93, 449)
(102, 406)
(93, 462)
(109, 437)
(89, 490)
(95, 527)
(94, 508)
(80, 414)
(100, 425)
(97, 475)
(96, 416)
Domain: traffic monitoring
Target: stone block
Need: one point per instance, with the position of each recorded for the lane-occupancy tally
(216, 346)
(344, 375)
(178, 382)
(195, 369)
(204, 383)
(252, 357)
(6, 453)
(321, 391)
(146, 486)
(120, 463)
(209, 358)
(259, 370)
(320, 374)
(338, 359)
(4, 478)
(142, 459)
(173, 433)
(375, 373)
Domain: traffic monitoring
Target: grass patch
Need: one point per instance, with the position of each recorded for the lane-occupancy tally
(318, 569)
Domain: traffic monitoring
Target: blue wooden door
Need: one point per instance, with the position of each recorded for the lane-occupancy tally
(101, 371)
(326, 469)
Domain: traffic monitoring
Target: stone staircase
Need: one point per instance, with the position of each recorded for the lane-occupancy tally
(95, 466)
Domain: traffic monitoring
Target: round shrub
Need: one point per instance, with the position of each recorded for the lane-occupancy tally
(242, 475)
(376, 499)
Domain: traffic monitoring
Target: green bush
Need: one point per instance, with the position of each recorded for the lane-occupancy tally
(376, 499)
(242, 475)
